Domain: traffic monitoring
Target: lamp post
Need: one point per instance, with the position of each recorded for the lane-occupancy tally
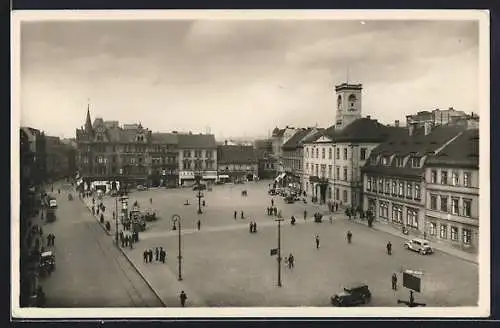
(198, 177)
(177, 219)
(279, 250)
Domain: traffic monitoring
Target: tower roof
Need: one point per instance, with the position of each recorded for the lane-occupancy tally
(88, 122)
(348, 86)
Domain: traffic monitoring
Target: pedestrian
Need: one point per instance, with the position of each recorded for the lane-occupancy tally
(163, 255)
(203, 203)
(183, 298)
(389, 248)
(305, 214)
(131, 243)
(198, 224)
(272, 201)
(275, 211)
(145, 256)
(251, 227)
(126, 240)
(394, 281)
(157, 254)
(52, 239)
(291, 260)
(317, 241)
(93, 210)
(235, 214)
(331, 218)
(254, 226)
(150, 255)
(151, 200)
(242, 216)
(349, 236)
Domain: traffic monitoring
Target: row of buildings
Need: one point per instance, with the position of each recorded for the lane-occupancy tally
(424, 176)
(133, 154)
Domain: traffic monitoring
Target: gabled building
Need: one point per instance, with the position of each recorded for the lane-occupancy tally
(197, 156)
(394, 179)
(279, 137)
(237, 163)
(266, 161)
(452, 193)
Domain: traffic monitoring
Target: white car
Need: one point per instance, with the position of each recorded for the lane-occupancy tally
(419, 245)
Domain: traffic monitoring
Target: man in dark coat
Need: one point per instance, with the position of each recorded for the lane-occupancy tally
(183, 298)
(157, 254)
(394, 281)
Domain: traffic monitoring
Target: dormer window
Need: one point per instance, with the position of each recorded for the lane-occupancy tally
(385, 161)
(99, 137)
(140, 138)
(415, 162)
(373, 160)
(399, 162)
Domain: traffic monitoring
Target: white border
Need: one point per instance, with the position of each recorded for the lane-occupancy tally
(483, 308)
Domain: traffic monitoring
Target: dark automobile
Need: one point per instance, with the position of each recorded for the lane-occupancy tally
(355, 294)
(289, 199)
(200, 187)
(272, 192)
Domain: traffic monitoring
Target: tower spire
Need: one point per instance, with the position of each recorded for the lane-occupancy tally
(88, 122)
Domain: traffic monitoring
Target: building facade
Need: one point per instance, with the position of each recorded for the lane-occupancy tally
(452, 193)
(266, 160)
(279, 138)
(237, 163)
(127, 155)
(394, 179)
(197, 156)
(435, 117)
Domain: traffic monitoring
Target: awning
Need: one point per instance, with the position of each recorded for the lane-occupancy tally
(223, 176)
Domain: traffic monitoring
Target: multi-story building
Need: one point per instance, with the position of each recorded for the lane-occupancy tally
(237, 162)
(394, 181)
(34, 146)
(452, 193)
(279, 137)
(197, 156)
(266, 161)
(130, 154)
(436, 117)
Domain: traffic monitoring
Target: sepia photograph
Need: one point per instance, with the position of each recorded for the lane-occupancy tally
(250, 164)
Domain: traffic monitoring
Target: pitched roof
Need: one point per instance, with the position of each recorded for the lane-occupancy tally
(277, 132)
(363, 130)
(315, 136)
(236, 155)
(190, 141)
(164, 138)
(294, 141)
(461, 152)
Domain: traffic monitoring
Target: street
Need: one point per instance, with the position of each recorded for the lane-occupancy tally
(90, 270)
(225, 265)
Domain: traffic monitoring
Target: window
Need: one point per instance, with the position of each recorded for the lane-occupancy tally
(307, 152)
(454, 178)
(454, 206)
(345, 153)
(323, 153)
(399, 162)
(444, 177)
(432, 229)
(362, 154)
(433, 202)
(323, 170)
(433, 176)
(187, 153)
(384, 210)
(317, 169)
(373, 160)
(466, 236)
(415, 162)
(369, 184)
(454, 233)
(337, 173)
(345, 173)
(466, 179)
(381, 185)
(330, 153)
(374, 186)
(409, 190)
(412, 217)
(329, 171)
(401, 189)
(345, 196)
(394, 188)
(444, 203)
(387, 186)
(397, 213)
(417, 192)
(317, 152)
(443, 231)
(467, 207)
(337, 153)
(337, 194)
(208, 153)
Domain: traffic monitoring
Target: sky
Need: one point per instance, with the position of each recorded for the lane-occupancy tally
(241, 78)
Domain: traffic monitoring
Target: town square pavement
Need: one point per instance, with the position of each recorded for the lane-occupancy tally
(224, 265)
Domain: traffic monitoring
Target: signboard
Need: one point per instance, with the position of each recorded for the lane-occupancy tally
(411, 280)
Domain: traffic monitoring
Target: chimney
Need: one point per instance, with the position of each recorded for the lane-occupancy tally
(451, 108)
(369, 117)
(427, 128)
(411, 128)
(396, 123)
(225, 142)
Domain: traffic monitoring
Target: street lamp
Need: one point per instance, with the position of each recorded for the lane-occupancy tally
(198, 177)
(279, 220)
(177, 219)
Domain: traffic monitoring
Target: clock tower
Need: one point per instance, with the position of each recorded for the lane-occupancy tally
(348, 104)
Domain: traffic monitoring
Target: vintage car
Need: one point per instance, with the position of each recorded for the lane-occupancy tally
(47, 262)
(421, 246)
(150, 215)
(352, 295)
(201, 186)
(289, 199)
(272, 192)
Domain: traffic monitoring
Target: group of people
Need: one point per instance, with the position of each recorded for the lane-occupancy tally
(253, 227)
(160, 255)
(128, 239)
(273, 211)
(51, 238)
(242, 216)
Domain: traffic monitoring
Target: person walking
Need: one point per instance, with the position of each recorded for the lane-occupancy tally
(394, 281)
(305, 214)
(389, 248)
(242, 216)
(198, 224)
(254, 226)
(235, 214)
(272, 201)
(291, 261)
(157, 254)
(145, 256)
(317, 241)
(349, 236)
(183, 298)
(251, 227)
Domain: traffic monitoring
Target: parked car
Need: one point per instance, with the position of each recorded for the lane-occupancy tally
(352, 295)
(289, 199)
(419, 245)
